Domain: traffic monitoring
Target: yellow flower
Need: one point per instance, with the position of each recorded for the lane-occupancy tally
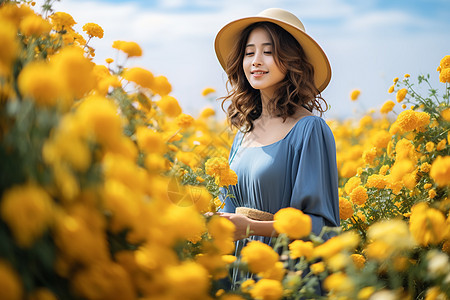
(383, 169)
(169, 105)
(222, 231)
(427, 186)
(10, 44)
(445, 62)
(93, 29)
(227, 178)
(441, 145)
(338, 282)
(35, 25)
(161, 86)
(359, 195)
(207, 91)
(429, 146)
(346, 241)
(292, 222)
(28, 211)
(391, 89)
(103, 280)
(351, 184)
(345, 208)
(10, 284)
(358, 260)
(407, 75)
(75, 71)
(275, 273)
(403, 105)
(207, 112)
(387, 107)
(401, 94)
(247, 285)
(354, 95)
(184, 121)
(395, 80)
(445, 114)
(299, 248)
(149, 140)
(267, 289)
(381, 139)
(41, 83)
(376, 181)
(440, 170)
(189, 280)
(393, 233)
(260, 257)
(318, 268)
(369, 155)
(444, 75)
(365, 293)
(427, 225)
(109, 60)
(140, 76)
(61, 20)
(216, 165)
(431, 193)
(130, 48)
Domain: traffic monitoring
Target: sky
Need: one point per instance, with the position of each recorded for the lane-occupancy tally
(368, 42)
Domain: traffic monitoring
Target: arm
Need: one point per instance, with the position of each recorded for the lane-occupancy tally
(246, 226)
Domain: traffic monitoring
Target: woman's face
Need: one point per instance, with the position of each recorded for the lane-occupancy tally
(259, 64)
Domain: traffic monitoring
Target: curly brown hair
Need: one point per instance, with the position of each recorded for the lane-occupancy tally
(295, 90)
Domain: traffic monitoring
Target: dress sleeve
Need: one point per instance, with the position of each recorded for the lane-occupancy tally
(315, 176)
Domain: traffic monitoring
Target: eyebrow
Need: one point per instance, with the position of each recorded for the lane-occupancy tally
(253, 45)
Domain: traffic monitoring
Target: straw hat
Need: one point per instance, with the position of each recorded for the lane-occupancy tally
(228, 35)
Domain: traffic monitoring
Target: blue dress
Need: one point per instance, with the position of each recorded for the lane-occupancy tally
(297, 171)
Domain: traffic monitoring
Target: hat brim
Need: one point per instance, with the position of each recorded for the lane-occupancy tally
(227, 37)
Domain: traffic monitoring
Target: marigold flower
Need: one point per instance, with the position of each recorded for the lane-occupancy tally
(354, 95)
(9, 42)
(376, 181)
(359, 195)
(407, 75)
(338, 282)
(35, 25)
(75, 71)
(387, 107)
(444, 75)
(391, 89)
(109, 60)
(216, 165)
(207, 112)
(267, 289)
(383, 169)
(440, 170)
(318, 268)
(403, 105)
(184, 120)
(189, 280)
(93, 30)
(140, 76)
(369, 155)
(299, 248)
(260, 257)
(221, 228)
(401, 95)
(227, 178)
(28, 211)
(345, 208)
(445, 62)
(346, 241)
(427, 225)
(445, 114)
(130, 48)
(358, 260)
(10, 284)
(431, 193)
(381, 139)
(169, 105)
(40, 82)
(275, 273)
(61, 20)
(292, 222)
(441, 145)
(407, 120)
(149, 140)
(161, 86)
(429, 146)
(207, 91)
(351, 184)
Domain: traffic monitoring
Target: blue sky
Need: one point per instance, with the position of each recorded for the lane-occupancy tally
(368, 42)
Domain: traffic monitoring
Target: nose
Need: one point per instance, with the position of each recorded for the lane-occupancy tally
(257, 59)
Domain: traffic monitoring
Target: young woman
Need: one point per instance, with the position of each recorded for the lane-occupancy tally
(283, 154)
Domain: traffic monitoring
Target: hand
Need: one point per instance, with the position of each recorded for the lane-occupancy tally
(241, 222)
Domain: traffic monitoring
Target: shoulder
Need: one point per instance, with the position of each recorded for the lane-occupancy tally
(311, 128)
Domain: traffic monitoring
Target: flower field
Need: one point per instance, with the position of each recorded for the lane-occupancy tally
(107, 189)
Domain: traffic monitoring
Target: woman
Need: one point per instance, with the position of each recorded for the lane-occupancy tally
(283, 154)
